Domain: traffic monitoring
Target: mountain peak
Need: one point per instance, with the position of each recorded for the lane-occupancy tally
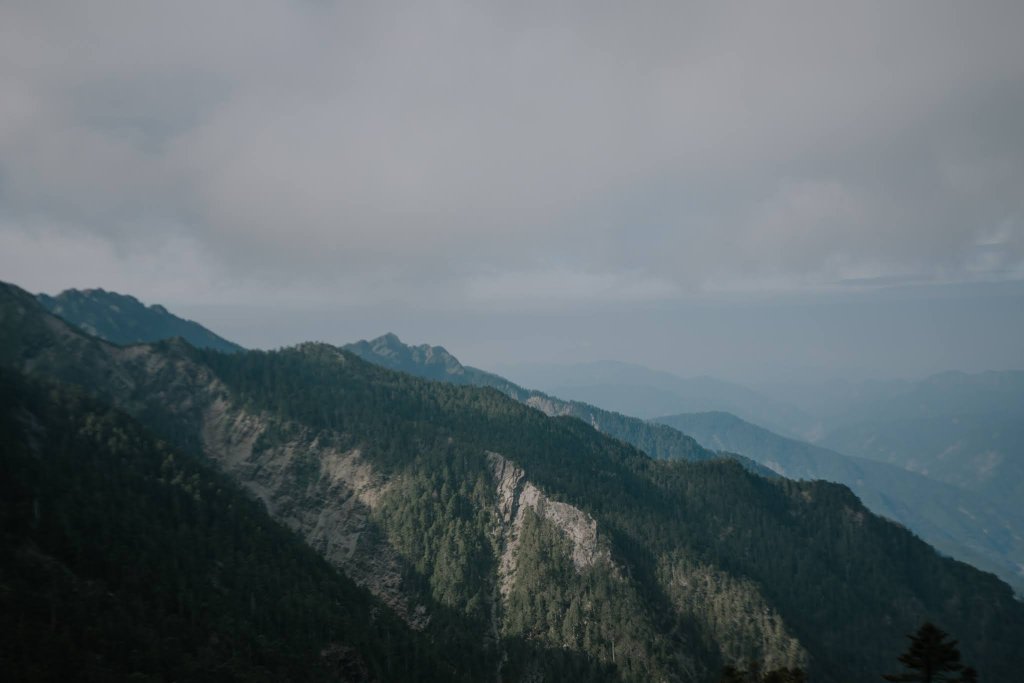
(387, 339)
(433, 362)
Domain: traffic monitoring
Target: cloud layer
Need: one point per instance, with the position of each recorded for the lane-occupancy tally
(526, 156)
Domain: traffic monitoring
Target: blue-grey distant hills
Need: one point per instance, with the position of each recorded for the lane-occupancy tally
(964, 429)
(124, 320)
(972, 526)
(980, 453)
(960, 428)
(637, 390)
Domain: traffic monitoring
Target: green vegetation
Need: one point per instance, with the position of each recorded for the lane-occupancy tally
(435, 363)
(845, 582)
(755, 673)
(807, 576)
(593, 611)
(124, 558)
(973, 527)
(739, 624)
(931, 658)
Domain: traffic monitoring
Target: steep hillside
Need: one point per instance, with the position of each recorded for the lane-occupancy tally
(124, 319)
(539, 546)
(433, 362)
(122, 558)
(965, 525)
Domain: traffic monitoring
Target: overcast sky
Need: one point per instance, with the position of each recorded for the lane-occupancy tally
(489, 175)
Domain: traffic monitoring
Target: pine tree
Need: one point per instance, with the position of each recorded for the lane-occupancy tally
(932, 658)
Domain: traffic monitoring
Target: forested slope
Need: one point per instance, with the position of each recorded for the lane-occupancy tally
(122, 558)
(536, 546)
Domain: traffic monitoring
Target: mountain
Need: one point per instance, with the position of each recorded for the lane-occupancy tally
(125, 559)
(125, 320)
(431, 362)
(980, 453)
(527, 546)
(963, 429)
(434, 362)
(636, 390)
(960, 523)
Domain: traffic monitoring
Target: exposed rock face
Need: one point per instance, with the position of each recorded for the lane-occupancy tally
(548, 406)
(328, 496)
(324, 494)
(516, 495)
(554, 407)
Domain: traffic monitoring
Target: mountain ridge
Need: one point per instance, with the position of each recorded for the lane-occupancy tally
(960, 523)
(658, 441)
(697, 544)
(123, 319)
(637, 390)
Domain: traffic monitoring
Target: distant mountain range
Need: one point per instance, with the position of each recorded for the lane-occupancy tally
(514, 545)
(976, 528)
(123, 319)
(964, 429)
(636, 390)
(982, 453)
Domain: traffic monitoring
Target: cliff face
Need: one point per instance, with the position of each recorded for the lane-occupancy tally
(515, 497)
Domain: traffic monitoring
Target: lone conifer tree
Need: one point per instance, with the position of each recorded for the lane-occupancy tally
(931, 659)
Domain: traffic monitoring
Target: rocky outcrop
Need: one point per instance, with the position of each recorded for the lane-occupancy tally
(516, 495)
(549, 406)
(324, 494)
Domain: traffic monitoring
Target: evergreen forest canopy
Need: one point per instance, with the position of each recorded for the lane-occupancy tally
(124, 558)
(708, 565)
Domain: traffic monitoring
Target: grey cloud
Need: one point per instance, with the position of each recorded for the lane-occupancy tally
(484, 154)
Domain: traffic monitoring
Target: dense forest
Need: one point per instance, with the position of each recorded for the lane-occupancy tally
(433, 362)
(699, 565)
(124, 558)
(847, 583)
